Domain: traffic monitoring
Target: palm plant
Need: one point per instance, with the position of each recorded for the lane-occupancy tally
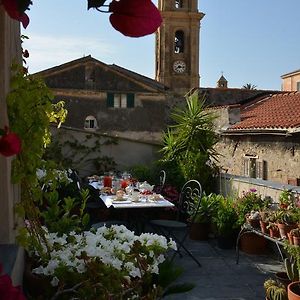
(190, 141)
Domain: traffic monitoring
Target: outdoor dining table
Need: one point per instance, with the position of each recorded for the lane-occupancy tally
(135, 211)
(144, 202)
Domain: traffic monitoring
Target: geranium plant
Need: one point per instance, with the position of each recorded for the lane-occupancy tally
(134, 18)
(110, 263)
(7, 290)
(10, 142)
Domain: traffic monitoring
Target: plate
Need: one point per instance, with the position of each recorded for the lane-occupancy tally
(125, 201)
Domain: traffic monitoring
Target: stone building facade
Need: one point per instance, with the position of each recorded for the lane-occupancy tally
(264, 141)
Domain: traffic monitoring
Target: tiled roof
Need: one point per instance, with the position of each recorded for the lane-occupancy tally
(279, 111)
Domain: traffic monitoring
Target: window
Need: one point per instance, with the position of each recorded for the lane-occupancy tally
(298, 86)
(254, 167)
(90, 123)
(119, 100)
(179, 41)
(178, 3)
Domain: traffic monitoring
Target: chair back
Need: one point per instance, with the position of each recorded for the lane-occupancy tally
(162, 178)
(189, 200)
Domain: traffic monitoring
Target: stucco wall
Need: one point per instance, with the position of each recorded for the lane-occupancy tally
(126, 153)
(231, 185)
(290, 83)
(282, 155)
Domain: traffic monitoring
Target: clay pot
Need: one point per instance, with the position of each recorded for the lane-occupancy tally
(263, 227)
(274, 232)
(290, 237)
(296, 240)
(253, 244)
(294, 290)
(199, 231)
(284, 229)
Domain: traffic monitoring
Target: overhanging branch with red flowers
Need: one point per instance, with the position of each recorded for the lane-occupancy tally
(133, 18)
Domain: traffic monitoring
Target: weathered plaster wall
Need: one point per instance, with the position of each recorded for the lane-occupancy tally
(282, 155)
(290, 83)
(126, 153)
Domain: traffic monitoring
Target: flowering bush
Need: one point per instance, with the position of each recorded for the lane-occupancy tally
(134, 18)
(10, 143)
(7, 290)
(110, 263)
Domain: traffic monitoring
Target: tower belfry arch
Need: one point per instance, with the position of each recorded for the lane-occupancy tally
(177, 45)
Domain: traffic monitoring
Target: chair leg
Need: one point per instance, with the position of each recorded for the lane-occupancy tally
(180, 243)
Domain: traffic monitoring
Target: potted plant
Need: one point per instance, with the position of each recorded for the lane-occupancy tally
(274, 290)
(199, 229)
(293, 267)
(250, 201)
(286, 220)
(225, 220)
(295, 235)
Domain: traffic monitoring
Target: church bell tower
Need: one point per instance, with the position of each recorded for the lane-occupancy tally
(177, 45)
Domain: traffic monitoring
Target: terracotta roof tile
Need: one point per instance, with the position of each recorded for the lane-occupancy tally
(276, 111)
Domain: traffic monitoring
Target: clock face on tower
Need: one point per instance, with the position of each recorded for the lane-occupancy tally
(179, 66)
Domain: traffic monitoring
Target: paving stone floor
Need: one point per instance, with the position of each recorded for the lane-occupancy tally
(220, 277)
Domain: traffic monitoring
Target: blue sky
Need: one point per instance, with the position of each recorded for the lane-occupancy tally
(249, 41)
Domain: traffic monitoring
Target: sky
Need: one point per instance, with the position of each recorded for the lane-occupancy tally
(247, 41)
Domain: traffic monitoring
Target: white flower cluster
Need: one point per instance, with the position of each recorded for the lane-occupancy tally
(110, 245)
(60, 175)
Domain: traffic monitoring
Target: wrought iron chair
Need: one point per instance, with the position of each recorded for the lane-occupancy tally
(187, 208)
(161, 182)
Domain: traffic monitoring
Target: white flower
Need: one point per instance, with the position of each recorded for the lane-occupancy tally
(54, 281)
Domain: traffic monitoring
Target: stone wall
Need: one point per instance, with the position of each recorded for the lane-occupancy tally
(280, 153)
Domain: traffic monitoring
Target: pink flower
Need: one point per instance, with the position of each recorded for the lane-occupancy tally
(11, 7)
(10, 143)
(134, 18)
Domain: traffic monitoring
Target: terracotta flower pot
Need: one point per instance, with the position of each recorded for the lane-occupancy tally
(263, 227)
(296, 240)
(290, 237)
(199, 231)
(284, 229)
(253, 244)
(274, 232)
(294, 290)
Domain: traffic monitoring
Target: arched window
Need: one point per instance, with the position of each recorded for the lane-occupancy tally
(178, 3)
(90, 123)
(179, 41)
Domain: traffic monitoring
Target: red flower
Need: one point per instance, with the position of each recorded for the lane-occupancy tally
(134, 18)
(10, 144)
(7, 290)
(11, 7)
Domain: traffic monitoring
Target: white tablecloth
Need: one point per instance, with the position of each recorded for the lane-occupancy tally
(144, 203)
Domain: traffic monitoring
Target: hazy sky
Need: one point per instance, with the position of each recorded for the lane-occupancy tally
(253, 41)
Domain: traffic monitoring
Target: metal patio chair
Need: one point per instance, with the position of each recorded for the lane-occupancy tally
(187, 208)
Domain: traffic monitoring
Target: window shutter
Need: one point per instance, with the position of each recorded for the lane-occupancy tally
(130, 100)
(110, 100)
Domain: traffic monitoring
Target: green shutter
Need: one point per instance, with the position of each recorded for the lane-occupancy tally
(110, 100)
(130, 100)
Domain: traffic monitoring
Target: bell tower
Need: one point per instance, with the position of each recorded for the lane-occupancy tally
(177, 45)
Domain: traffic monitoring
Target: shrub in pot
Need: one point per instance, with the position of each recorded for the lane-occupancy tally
(225, 220)
(199, 229)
